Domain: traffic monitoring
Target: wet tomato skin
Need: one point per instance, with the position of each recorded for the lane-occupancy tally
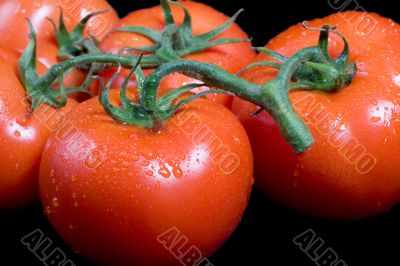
(231, 57)
(112, 196)
(22, 136)
(350, 172)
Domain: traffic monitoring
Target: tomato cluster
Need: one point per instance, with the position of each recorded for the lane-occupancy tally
(162, 152)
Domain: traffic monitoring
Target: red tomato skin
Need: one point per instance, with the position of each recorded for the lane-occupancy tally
(231, 57)
(22, 136)
(326, 181)
(148, 183)
(15, 31)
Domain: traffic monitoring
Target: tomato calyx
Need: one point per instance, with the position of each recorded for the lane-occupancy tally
(325, 73)
(150, 111)
(39, 93)
(74, 43)
(176, 41)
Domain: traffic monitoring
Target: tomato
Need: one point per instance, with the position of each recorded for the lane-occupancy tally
(231, 57)
(114, 191)
(22, 136)
(352, 169)
(14, 28)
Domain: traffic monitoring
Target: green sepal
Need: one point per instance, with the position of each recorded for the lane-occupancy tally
(324, 73)
(177, 41)
(130, 112)
(165, 102)
(37, 93)
(74, 43)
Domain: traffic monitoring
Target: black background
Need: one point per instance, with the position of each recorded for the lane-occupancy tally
(265, 235)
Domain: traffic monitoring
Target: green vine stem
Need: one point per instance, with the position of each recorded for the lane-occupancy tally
(272, 97)
(311, 68)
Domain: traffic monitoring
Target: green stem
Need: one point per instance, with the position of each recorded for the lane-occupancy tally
(148, 62)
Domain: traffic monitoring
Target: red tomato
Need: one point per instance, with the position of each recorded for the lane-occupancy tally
(231, 57)
(14, 28)
(352, 169)
(22, 136)
(115, 190)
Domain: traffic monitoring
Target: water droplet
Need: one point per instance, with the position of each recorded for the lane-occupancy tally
(176, 169)
(70, 226)
(53, 181)
(52, 173)
(76, 204)
(22, 121)
(17, 165)
(55, 202)
(158, 186)
(48, 210)
(375, 119)
(145, 163)
(17, 133)
(177, 172)
(74, 195)
(164, 172)
(138, 187)
(149, 173)
(74, 178)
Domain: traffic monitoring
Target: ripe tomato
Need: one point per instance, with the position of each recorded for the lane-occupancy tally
(352, 169)
(231, 57)
(14, 28)
(110, 190)
(22, 136)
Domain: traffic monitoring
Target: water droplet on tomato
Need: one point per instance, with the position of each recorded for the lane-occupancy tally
(17, 134)
(164, 172)
(145, 163)
(52, 173)
(74, 195)
(74, 178)
(22, 121)
(149, 173)
(76, 204)
(376, 119)
(48, 210)
(55, 202)
(177, 172)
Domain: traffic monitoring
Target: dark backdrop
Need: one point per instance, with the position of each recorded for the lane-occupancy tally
(265, 235)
